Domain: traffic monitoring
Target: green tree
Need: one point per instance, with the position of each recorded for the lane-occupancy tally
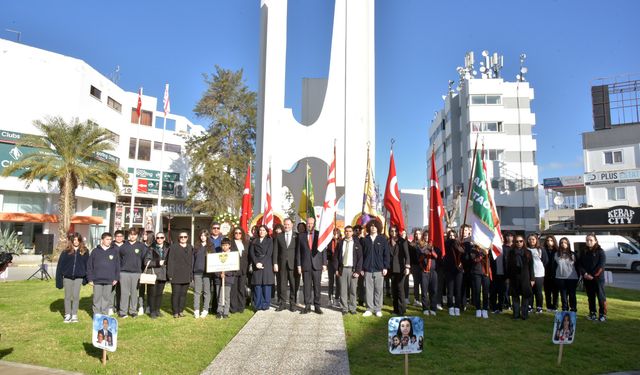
(219, 157)
(69, 155)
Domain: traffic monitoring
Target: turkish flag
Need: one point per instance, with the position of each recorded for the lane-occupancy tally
(245, 216)
(436, 210)
(392, 197)
(143, 185)
(139, 107)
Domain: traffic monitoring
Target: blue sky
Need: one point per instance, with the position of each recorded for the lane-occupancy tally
(419, 43)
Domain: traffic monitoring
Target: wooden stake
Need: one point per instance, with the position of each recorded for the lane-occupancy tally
(406, 364)
(104, 357)
(560, 354)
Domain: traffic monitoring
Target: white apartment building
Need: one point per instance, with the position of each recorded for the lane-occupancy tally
(38, 83)
(497, 113)
(415, 208)
(612, 160)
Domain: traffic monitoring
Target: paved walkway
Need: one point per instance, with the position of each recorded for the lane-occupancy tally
(11, 368)
(286, 343)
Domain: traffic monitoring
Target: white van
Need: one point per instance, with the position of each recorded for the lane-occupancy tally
(622, 252)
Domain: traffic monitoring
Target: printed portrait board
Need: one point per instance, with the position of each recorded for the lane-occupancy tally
(564, 327)
(105, 332)
(406, 335)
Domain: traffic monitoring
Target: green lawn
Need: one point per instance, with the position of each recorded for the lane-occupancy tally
(500, 345)
(33, 332)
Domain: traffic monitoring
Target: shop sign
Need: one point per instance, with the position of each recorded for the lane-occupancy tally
(613, 216)
(608, 177)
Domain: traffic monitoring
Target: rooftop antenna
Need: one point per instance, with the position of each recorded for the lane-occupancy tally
(523, 69)
(18, 34)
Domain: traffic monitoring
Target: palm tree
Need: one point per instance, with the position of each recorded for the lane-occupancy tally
(69, 156)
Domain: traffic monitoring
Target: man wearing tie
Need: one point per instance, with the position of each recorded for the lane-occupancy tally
(310, 262)
(284, 256)
(348, 264)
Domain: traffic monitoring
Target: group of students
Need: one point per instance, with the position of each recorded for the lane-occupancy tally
(361, 264)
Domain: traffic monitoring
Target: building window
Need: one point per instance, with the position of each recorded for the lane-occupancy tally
(146, 117)
(170, 123)
(492, 155)
(613, 157)
(144, 149)
(112, 103)
(169, 147)
(95, 92)
(486, 99)
(113, 137)
(99, 209)
(495, 126)
(616, 194)
(443, 124)
(24, 203)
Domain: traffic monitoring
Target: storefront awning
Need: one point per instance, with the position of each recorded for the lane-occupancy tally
(19, 217)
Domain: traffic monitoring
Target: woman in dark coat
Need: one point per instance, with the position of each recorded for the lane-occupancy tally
(591, 267)
(521, 277)
(262, 279)
(180, 272)
(240, 243)
(156, 258)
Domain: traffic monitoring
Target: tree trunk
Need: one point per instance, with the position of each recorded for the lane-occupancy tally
(66, 209)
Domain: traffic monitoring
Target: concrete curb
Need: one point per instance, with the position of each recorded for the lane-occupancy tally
(15, 368)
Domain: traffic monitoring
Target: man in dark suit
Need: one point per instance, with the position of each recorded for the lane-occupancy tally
(348, 264)
(310, 262)
(400, 268)
(284, 257)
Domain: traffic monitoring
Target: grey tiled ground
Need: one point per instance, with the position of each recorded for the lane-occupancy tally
(286, 343)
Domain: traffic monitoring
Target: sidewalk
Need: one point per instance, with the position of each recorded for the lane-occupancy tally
(11, 368)
(286, 343)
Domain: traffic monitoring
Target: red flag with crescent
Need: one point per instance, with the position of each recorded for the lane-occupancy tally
(245, 216)
(436, 210)
(392, 197)
(267, 218)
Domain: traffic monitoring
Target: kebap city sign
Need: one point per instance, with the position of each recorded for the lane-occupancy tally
(614, 216)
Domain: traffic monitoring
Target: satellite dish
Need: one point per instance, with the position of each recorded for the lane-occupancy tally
(485, 53)
(518, 77)
(558, 200)
(474, 73)
(524, 70)
(444, 97)
(483, 69)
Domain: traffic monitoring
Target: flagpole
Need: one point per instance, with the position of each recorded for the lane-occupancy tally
(164, 130)
(473, 167)
(135, 158)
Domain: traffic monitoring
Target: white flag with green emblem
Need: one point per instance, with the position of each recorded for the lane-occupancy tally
(481, 217)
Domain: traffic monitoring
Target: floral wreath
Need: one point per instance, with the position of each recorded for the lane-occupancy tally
(227, 222)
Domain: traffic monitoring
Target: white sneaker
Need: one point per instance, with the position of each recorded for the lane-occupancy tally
(417, 303)
(406, 301)
(426, 312)
(140, 311)
(485, 314)
(204, 314)
(367, 313)
(452, 311)
(478, 313)
(67, 318)
(74, 318)
(196, 314)
(432, 313)
(457, 311)
(439, 306)
(379, 314)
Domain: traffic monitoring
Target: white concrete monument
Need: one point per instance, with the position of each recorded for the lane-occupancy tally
(347, 109)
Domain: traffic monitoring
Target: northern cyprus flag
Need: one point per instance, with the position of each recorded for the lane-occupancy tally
(482, 219)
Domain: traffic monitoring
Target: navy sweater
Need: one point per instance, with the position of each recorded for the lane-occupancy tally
(103, 266)
(132, 257)
(376, 254)
(71, 266)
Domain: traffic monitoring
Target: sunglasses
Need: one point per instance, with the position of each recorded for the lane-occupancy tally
(183, 237)
(215, 228)
(159, 238)
(519, 241)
